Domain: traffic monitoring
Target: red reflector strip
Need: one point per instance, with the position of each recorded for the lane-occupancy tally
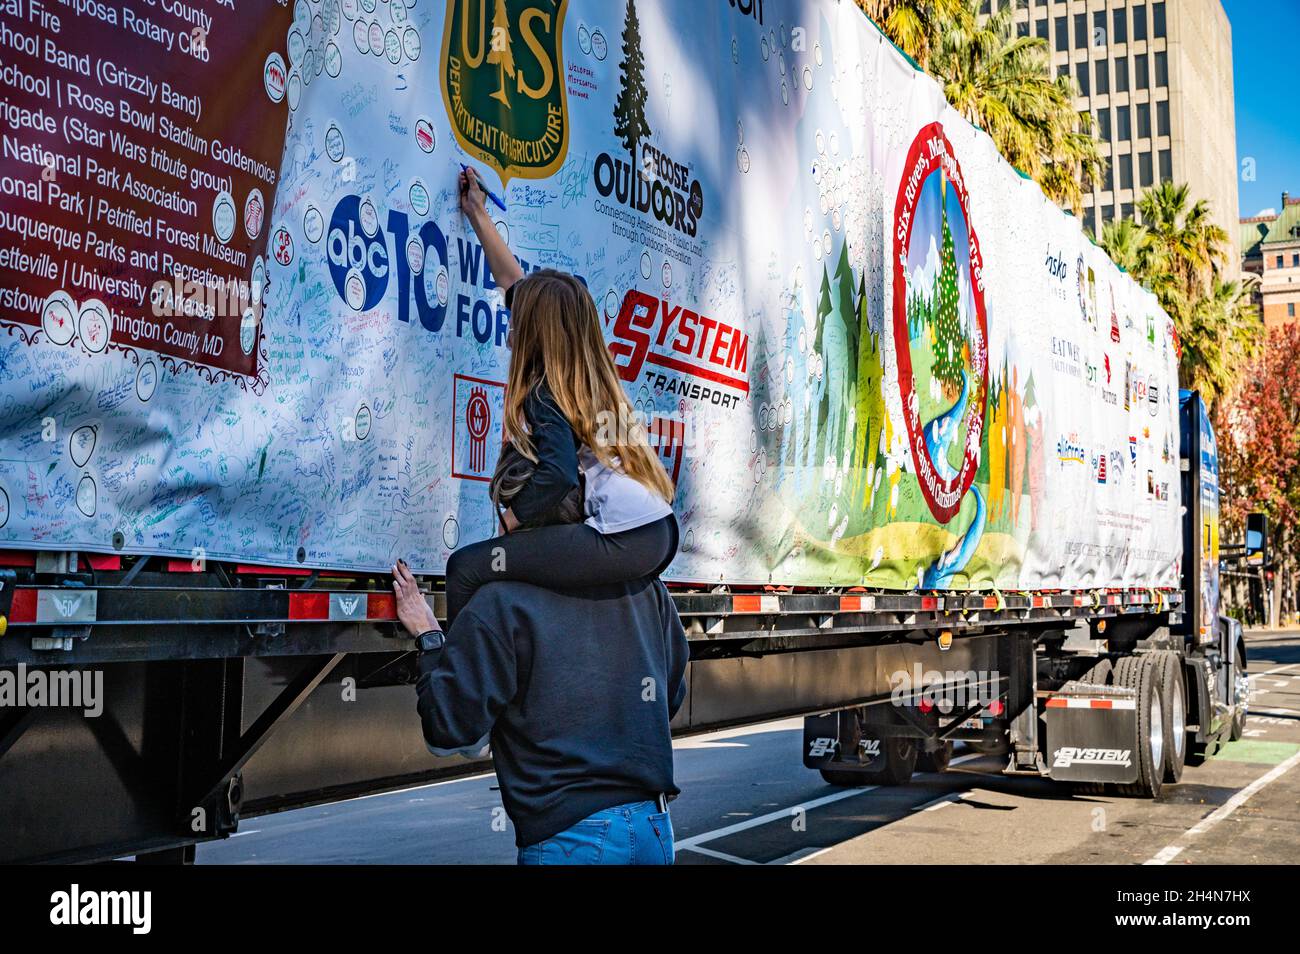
(1039, 602)
(1061, 702)
(1113, 599)
(271, 570)
(850, 604)
(184, 566)
(929, 602)
(103, 562)
(309, 605)
(990, 602)
(381, 606)
(755, 603)
(24, 607)
(1078, 601)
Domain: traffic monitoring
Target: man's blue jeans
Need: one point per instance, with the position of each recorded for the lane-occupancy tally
(637, 833)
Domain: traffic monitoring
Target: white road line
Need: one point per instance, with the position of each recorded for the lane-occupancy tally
(811, 855)
(797, 857)
(774, 725)
(780, 813)
(949, 799)
(1228, 807)
(1165, 855)
(1269, 672)
(1232, 804)
(402, 791)
(714, 854)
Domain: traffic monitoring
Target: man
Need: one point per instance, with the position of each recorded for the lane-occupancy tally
(575, 689)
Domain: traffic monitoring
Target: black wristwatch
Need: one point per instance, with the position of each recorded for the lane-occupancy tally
(429, 640)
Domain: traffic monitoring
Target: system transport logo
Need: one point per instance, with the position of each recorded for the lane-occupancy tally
(692, 355)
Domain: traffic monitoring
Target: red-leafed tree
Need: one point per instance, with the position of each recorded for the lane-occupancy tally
(1258, 430)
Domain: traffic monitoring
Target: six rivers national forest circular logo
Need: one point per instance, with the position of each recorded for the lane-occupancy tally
(940, 324)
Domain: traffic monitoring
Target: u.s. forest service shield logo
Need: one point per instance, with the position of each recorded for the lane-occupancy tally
(503, 83)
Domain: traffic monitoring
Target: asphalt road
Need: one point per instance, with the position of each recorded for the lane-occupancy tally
(746, 799)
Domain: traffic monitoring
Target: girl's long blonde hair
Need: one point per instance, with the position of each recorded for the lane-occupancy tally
(557, 341)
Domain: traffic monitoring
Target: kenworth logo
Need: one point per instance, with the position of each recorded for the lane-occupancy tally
(1071, 755)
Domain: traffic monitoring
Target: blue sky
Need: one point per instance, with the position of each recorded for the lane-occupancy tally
(1268, 111)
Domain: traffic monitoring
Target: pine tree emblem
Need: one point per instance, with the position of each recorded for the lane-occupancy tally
(630, 124)
(501, 54)
(949, 337)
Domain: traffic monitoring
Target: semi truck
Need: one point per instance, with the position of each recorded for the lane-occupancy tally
(935, 479)
(236, 690)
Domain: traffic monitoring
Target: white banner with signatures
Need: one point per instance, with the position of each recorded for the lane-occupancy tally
(242, 318)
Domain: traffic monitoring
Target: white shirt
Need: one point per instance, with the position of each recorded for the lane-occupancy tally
(616, 502)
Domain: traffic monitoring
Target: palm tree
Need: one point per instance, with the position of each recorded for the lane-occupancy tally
(1002, 83)
(1131, 246)
(1178, 253)
(1194, 245)
(1219, 332)
(912, 24)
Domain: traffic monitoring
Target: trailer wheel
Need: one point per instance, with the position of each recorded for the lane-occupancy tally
(1142, 674)
(936, 761)
(846, 778)
(1102, 673)
(1240, 695)
(898, 756)
(1173, 700)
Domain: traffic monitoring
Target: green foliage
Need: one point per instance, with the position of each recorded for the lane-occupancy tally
(1179, 254)
(909, 22)
(949, 336)
(1002, 83)
(630, 124)
(1258, 431)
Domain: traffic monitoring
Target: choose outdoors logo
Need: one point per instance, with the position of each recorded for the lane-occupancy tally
(503, 84)
(940, 323)
(647, 179)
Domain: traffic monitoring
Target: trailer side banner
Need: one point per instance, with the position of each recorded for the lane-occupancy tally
(242, 317)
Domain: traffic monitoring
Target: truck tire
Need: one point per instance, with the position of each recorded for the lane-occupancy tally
(936, 761)
(1173, 701)
(1102, 673)
(899, 761)
(1240, 695)
(1142, 675)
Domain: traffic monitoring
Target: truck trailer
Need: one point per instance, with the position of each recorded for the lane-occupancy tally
(935, 478)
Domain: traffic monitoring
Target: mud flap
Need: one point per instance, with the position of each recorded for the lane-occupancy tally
(821, 739)
(1092, 734)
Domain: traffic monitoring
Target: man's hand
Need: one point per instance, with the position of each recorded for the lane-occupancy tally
(413, 610)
